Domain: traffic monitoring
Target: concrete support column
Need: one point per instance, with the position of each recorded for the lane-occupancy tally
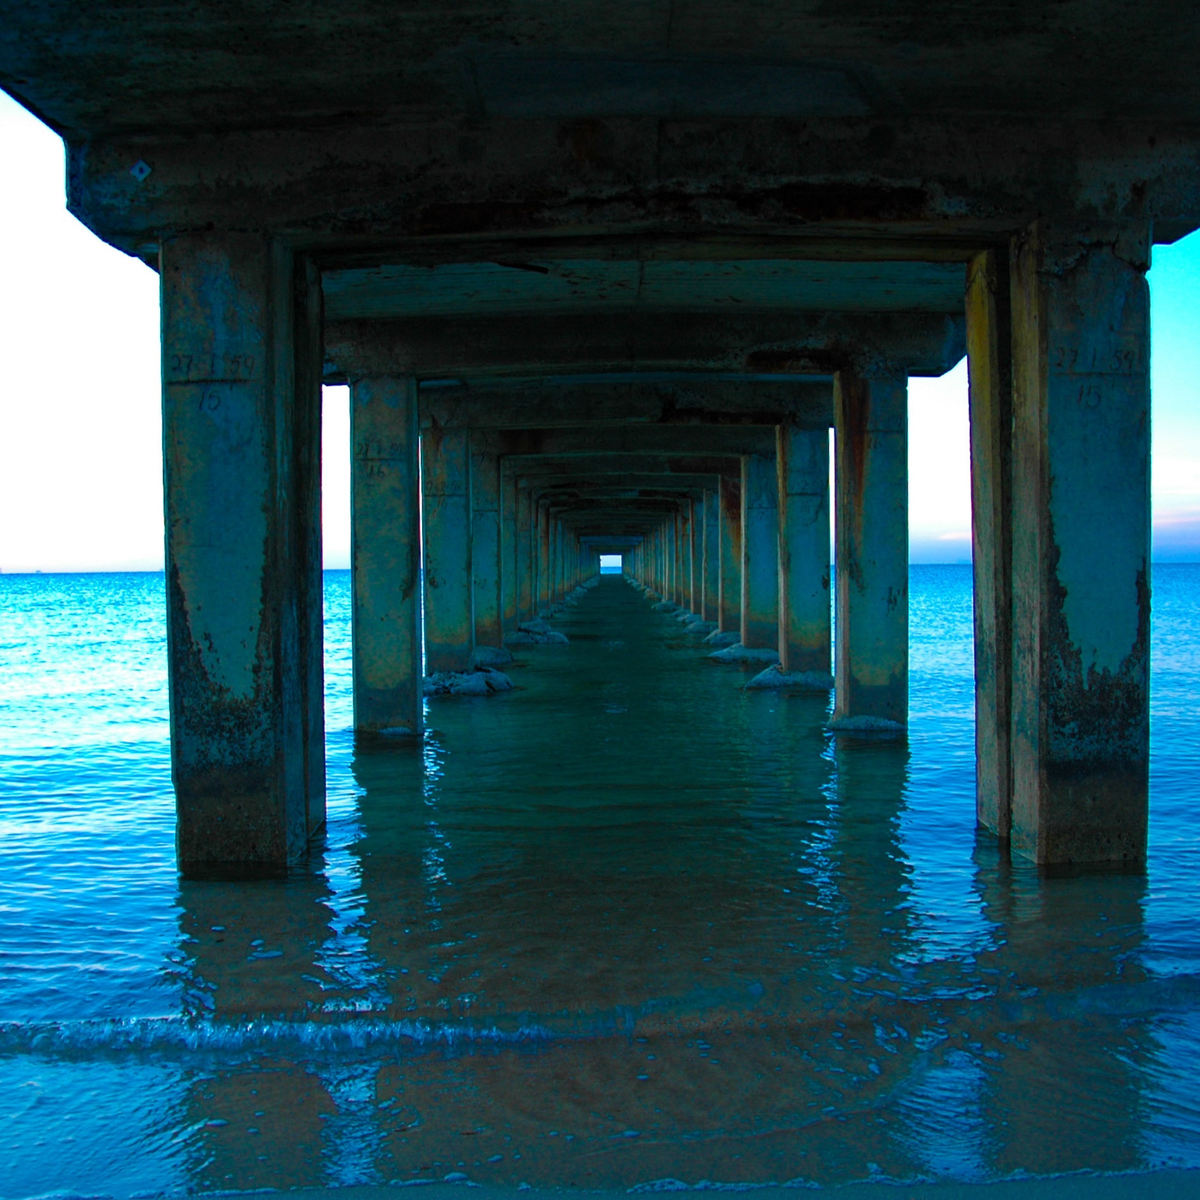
(871, 423)
(989, 362)
(241, 370)
(1081, 545)
(556, 561)
(760, 553)
(486, 561)
(730, 602)
(712, 557)
(449, 608)
(802, 465)
(509, 557)
(695, 549)
(544, 596)
(385, 556)
(526, 553)
(671, 550)
(681, 557)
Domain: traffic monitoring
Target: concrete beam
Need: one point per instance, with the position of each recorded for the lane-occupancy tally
(572, 401)
(536, 467)
(371, 191)
(624, 441)
(754, 344)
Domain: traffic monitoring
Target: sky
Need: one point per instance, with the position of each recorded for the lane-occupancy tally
(80, 424)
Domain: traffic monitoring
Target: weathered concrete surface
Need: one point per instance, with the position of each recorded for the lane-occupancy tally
(600, 178)
(486, 567)
(763, 343)
(802, 464)
(526, 555)
(872, 550)
(449, 599)
(385, 555)
(989, 339)
(760, 553)
(241, 437)
(729, 605)
(575, 401)
(712, 555)
(1081, 545)
(544, 585)
(510, 566)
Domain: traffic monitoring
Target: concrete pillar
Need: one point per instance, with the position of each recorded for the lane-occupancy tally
(543, 559)
(241, 369)
(509, 557)
(681, 558)
(760, 553)
(556, 560)
(802, 466)
(730, 604)
(1081, 545)
(989, 362)
(712, 556)
(449, 609)
(526, 556)
(871, 422)
(486, 568)
(385, 555)
(694, 550)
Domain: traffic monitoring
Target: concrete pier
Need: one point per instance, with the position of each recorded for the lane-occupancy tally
(449, 591)
(526, 550)
(510, 559)
(989, 363)
(1081, 544)
(871, 424)
(760, 553)
(730, 600)
(712, 556)
(486, 568)
(615, 287)
(241, 434)
(385, 556)
(802, 464)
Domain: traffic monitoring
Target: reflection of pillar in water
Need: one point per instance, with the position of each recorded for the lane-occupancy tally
(1066, 1092)
(352, 1136)
(255, 950)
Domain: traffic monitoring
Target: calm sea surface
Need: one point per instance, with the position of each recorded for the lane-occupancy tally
(624, 925)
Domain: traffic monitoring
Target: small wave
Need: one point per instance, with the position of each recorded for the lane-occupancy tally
(174, 1037)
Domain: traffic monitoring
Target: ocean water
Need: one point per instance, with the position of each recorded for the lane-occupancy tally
(627, 924)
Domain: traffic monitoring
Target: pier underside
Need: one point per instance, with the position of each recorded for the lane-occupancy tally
(604, 280)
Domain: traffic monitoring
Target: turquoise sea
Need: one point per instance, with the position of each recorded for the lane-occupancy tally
(625, 925)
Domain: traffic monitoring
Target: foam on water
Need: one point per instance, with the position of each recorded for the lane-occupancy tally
(628, 898)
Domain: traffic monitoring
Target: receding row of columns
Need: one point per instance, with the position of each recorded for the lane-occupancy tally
(1058, 332)
(754, 553)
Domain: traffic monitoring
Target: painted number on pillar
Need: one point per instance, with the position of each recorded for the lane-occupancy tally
(211, 368)
(1124, 358)
(1090, 397)
(210, 400)
(367, 451)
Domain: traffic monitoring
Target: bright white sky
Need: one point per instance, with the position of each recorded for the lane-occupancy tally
(80, 432)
